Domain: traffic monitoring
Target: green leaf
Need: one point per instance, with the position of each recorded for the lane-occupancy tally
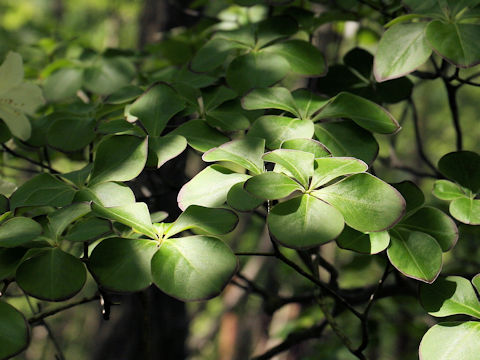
(462, 167)
(308, 103)
(277, 129)
(329, 168)
(240, 199)
(345, 138)
(51, 275)
(42, 190)
(119, 158)
(124, 95)
(59, 134)
(304, 222)
(108, 75)
(217, 96)
(263, 69)
(200, 136)
(447, 190)
(416, 255)
(167, 147)
(107, 194)
(367, 203)
(212, 54)
(451, 341)
(450, 296)
(402, 49)
(79, 177)
(135, 215)
(296, 162)
(372, 243)
(14, 332)
(271, 98)
(476, 282)
(308, 145)
(60, 219)
(156, 106)
(123, 265)
(211, 220)
(63, 84)
(466, 210)
(193, 267)
(246, 152)
(456, 42)
(228, 117)
(435, 223)
(274, 28)
(18, 231)
(89, 229)
(412, 194)
(9, 261)
(304, 58)
(364, 112)
(271, 185)
(209, 187)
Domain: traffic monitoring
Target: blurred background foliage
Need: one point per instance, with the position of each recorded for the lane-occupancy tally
(47, 32)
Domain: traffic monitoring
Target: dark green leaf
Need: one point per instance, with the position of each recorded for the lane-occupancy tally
(167, 147)
(372, 243)
(200, 136)
(89, 229)
(462, 167)
(63, 84)
(14, 332)
(18, 231)
(60, 219)
(412, 194)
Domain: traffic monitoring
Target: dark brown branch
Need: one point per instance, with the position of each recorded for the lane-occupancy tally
(20, 156)
(452, 103)
(38, 318)
(294, 339)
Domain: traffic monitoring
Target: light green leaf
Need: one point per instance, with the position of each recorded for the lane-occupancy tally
(462, 167)
(119, 158)
(277, 129)
(456, 42)
(240, 199)
(63, 84)
(209, 187)
(308, 145)
(466, 210)
(271, 98)
(450, 296)
(304, 222)
(271, 185)
(345, 138)
(246, 152)
(18, 231)
(367, 203)
(263, 69)
(416, 255)
(451, 341)
(11, 72)
(107, 194)
(364, 112)
(193, 267)
(304, 58)
(123, 265)
(88, 229)
(329, 168)
(60, 219)
(296, 162)
(14, 332)
(308, 103)
(200, 136)
(135, 215)
(156, 106)
(435, 223)
(372, 243)
(167, 147)
(51, 275)
(42, 190)
(402, 49)
(17, 123)
(447, 190)
(211, 220)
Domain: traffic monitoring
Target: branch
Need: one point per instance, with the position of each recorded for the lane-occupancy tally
(38, 318)
(452, 102)
(13, 153)
(293, 339)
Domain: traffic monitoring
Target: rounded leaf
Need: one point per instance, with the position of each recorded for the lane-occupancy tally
(271, 186)
(193, 267)
(372, 243)
(18, 231)
(123, 265)
(14, 332)
(466, 210)
(304, 222)
(462, 167)
(51, 275)
(240, 199)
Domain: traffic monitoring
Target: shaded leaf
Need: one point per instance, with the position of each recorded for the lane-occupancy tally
(372, 243)
(462, 167)
(240, 199)
(14, 332)
(329, 168)
(18, 231)
(167, 147)
(271, 185)
(200, 136)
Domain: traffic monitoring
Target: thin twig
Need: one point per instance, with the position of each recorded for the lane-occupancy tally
(54, 340)
(452, 103)
(13, 153)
